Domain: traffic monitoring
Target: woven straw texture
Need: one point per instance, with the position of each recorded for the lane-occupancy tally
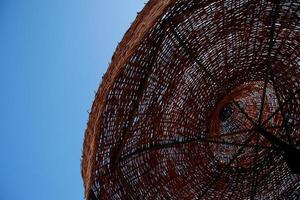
(201, 101)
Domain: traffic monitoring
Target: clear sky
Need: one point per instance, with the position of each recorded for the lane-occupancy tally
(53, 54)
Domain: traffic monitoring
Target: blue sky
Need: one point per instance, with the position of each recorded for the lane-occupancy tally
(53, 54)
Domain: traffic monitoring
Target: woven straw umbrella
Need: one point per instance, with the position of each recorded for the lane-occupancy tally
(201, 101)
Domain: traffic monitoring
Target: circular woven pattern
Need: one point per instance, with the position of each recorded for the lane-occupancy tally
(201, 101)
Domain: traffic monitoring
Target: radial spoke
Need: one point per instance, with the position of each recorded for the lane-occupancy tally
(281, 107)
(219, 175)
(244, 113)
(274, 16)
(275, 141)
(190, 53)
(233, 144)
(275, 12)
(181, 141)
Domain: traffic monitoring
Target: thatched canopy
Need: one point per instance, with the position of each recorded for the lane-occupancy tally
(201, 101)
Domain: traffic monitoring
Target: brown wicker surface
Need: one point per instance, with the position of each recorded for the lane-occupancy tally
(188, 104)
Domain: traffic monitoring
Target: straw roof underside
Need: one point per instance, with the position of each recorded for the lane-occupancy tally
(176, 113)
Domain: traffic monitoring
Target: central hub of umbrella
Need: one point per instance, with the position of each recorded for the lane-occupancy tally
(231, 124)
